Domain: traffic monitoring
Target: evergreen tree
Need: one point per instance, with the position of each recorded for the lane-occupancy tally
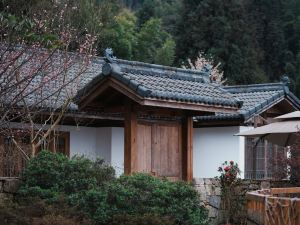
(166, 54)
(219, 29)
(125, 35)
(153, 42)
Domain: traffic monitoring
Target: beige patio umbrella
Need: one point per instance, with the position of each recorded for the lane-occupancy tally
(282, 132)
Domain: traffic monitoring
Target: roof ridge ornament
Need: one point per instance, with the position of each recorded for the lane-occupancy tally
(207, 69)
(108, 55)
(285, 80)
(110, 66)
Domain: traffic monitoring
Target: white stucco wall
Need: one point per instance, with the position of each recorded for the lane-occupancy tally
(117, 149)
(103, 142)
(93, 142)
(213, 146)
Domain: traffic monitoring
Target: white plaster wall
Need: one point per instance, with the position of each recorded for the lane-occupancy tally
(213, 146)
(89, 141)
(103, 142)
(93, 142)
(117, 149)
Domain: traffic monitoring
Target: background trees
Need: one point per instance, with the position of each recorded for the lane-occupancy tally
(255, 40)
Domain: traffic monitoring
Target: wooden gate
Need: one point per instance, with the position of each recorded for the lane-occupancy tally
(159, 149)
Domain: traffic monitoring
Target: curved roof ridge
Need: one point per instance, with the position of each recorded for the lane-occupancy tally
(149, 68)
(256, 87)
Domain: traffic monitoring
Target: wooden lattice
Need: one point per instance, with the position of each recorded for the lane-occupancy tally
(12, 161)
(278, 206)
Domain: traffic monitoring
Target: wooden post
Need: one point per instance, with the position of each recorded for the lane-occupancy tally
(254, 148)
(266, 159)
(130, 127)
(187, 149)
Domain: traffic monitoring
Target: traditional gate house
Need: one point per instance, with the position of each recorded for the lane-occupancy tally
(166, 121)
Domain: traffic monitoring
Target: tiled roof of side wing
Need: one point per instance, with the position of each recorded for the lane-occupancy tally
(256, 98)
(167, 83)
(55, 77)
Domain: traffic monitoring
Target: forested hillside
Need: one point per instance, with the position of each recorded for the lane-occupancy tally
(255, 40)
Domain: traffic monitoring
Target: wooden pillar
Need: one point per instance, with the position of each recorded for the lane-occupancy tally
(266, 145)
(187, 149)
(130, 127)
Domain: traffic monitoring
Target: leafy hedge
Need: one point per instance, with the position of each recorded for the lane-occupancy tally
(48, 175)
(92, 189)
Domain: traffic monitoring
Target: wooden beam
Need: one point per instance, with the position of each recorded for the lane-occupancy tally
(220, 123)
(192, 107)
(103, 86)
(187, 149)
(130, 139)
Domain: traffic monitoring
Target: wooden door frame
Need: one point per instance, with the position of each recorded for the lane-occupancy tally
(130, 141)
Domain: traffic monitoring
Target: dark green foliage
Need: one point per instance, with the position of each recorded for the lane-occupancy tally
(48, 175)
(154, 45)
(142, 194)
(17, 29)
(166, 10)
(147, 219)
(36, 212)
(90, 189)
(219, 29)
(254, 40)
(110, 24)
(165, 55)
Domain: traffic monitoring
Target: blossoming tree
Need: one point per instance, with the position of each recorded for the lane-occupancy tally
(36, 87)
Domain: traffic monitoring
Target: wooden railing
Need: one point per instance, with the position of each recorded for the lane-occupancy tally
(275, 206)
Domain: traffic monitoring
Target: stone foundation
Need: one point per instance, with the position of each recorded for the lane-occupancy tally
(8, 187)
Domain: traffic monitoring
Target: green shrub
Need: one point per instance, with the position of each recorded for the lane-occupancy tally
(50, 174)
(147, 219)
(141, 194)
(35, 211)
(90, 188)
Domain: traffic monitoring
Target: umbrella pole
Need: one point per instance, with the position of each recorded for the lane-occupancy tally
(287, 140)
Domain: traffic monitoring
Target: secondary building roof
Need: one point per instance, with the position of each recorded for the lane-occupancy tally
(256, 99)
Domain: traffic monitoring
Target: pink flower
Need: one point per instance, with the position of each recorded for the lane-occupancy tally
(227, 168)
(231, 162)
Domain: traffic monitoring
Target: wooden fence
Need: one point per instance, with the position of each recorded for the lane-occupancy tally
(275, 206)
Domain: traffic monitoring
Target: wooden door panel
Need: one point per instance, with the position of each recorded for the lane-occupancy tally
(174, 151)
(142, 161)
(166, 150)
(159, 149)
(155, 150)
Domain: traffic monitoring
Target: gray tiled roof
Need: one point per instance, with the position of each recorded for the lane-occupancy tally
(58, 87)
(148, 80)
(165, 83)
(256, 99)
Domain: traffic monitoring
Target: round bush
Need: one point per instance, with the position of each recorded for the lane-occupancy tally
(142, 194)
(50, 174)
